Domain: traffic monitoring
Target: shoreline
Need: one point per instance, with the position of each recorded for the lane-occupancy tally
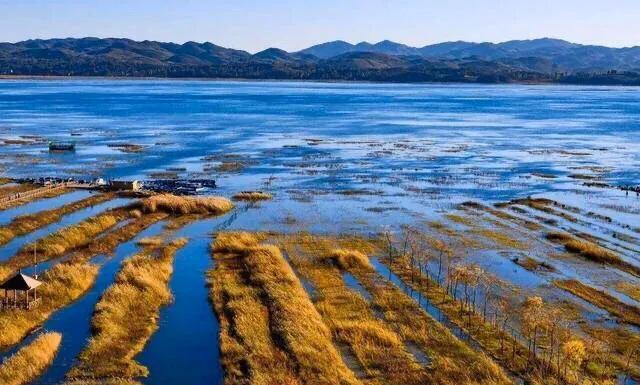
(319, 81)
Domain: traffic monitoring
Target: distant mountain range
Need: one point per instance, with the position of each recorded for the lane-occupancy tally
(539, 61)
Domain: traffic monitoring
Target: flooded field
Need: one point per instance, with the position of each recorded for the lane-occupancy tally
(461, 234)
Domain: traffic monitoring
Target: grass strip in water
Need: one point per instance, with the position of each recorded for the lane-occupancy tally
(184, 205)
(592, 252)
(451, 361)
(379, 352)
(25, 224)
(270, 330)
(62, 284)
(510, 353)
(126, 316)
(80, 236)
(30, 361)
(627, 313)
(252, 196)
(66, 282)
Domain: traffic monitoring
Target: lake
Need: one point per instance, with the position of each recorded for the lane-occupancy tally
(350, 158)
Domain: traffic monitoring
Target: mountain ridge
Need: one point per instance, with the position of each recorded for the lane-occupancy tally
(539, 61)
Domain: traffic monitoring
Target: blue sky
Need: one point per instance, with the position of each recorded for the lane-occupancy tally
(255, 25)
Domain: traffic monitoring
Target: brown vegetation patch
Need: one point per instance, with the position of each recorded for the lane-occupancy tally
(183, 205)
(30, 361)
(252, 196)
(62, 284)
(24, 224)
(379, 333)
(270, 330)
(74, 236)
(127, 316)
(627, 313)
(346, 259)
(533, 264)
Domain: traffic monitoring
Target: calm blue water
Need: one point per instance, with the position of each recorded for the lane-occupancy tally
(468, 132)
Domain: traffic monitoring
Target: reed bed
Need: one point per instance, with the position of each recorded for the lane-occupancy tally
(270, 330)
(451, 361)
(379, 355)
(66, 282)
(252, 196)
(625, 312)
(30, 361)
(183, 205)
(62, 284)
(126, 316)
(349, 258)
(74, 236)
(27, 223)
(592, 251)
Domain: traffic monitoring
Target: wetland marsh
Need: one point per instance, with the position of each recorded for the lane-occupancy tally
(358, 234)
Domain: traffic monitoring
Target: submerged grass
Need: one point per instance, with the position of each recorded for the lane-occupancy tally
(27, 223)
(127, 316)
(592, 251)
(627, 313)
(30, 361)
(270, 330)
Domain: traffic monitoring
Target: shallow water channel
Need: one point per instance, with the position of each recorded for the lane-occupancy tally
(8, 250)
(74, 321)
(8, 215)
(185, 349)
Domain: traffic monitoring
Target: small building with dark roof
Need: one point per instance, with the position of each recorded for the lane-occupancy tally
(22, 286)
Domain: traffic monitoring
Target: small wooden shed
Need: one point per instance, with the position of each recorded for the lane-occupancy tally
(22, 286)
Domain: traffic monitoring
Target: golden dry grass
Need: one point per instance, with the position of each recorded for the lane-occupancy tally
(501, 238)
(630, 289)
(27, 223)
(378, 343)
(151, 241)
(62, 284)
(74, 236)
(30, 361)
(348, 258)
(183, 205)
(65, 282)
(627, 313)
(484, 333)
(236, 242)
(252, 196)
(592, 251)
(270, 330)
(127, 315)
